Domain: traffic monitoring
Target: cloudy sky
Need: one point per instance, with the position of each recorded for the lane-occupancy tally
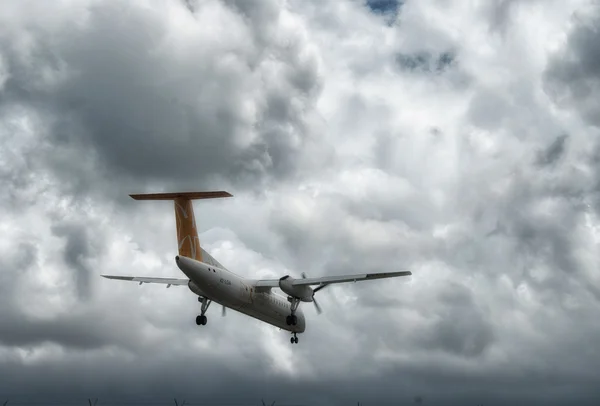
(459, 140)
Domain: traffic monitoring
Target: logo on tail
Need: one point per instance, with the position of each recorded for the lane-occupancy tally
(187, 234)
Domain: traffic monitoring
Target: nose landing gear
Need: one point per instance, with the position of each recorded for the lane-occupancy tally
(294, 339)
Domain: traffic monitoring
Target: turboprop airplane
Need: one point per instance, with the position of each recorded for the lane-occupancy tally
(212, 282)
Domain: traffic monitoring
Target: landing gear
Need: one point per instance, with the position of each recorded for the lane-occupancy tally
(294, 339)
(292, 320)
(201, 319)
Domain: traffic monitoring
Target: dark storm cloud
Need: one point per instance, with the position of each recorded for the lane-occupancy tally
(553, 153)
(573, 74)
(399, 385)
(79, 328)
(79, 247)
(426, 62)
(72, 331)
(461, 328)
(15, 263)
(145, 112)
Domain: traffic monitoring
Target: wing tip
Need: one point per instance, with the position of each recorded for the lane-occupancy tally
(125, 278)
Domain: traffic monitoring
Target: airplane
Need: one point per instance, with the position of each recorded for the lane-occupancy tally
(212, 282)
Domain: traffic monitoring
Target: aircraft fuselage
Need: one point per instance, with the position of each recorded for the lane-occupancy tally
(235, 292)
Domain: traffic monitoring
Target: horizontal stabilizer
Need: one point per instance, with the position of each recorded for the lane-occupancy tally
(188, 243)
(144, 279)
(181, 195)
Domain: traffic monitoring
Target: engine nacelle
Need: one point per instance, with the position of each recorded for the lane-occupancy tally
(303, 292)
(194, 288)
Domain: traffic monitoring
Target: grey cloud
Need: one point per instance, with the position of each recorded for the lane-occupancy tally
(190, 5)
(80, 246)
(425, 61)
(553, 153)
(501, 13)
(86, 327)
(461, 328)
(125, 103)
(73, 332)
(489, 109)
(572, 77)
(263, 17)
(15, 263)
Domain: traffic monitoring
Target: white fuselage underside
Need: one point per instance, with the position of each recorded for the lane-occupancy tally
(234, 292)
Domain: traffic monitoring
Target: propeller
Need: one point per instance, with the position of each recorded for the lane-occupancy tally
(318, 288)
(223, 311)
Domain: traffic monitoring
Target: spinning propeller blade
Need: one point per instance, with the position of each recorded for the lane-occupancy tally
(319, 311)
(317, 307)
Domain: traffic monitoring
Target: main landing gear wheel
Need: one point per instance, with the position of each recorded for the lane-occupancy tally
(294, 339)
(291, 320)
(201, 319)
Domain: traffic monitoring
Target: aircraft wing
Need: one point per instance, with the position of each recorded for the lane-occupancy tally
(327, 280)
(143, 279)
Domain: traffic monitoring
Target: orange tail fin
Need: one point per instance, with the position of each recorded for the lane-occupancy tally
(188, 242)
